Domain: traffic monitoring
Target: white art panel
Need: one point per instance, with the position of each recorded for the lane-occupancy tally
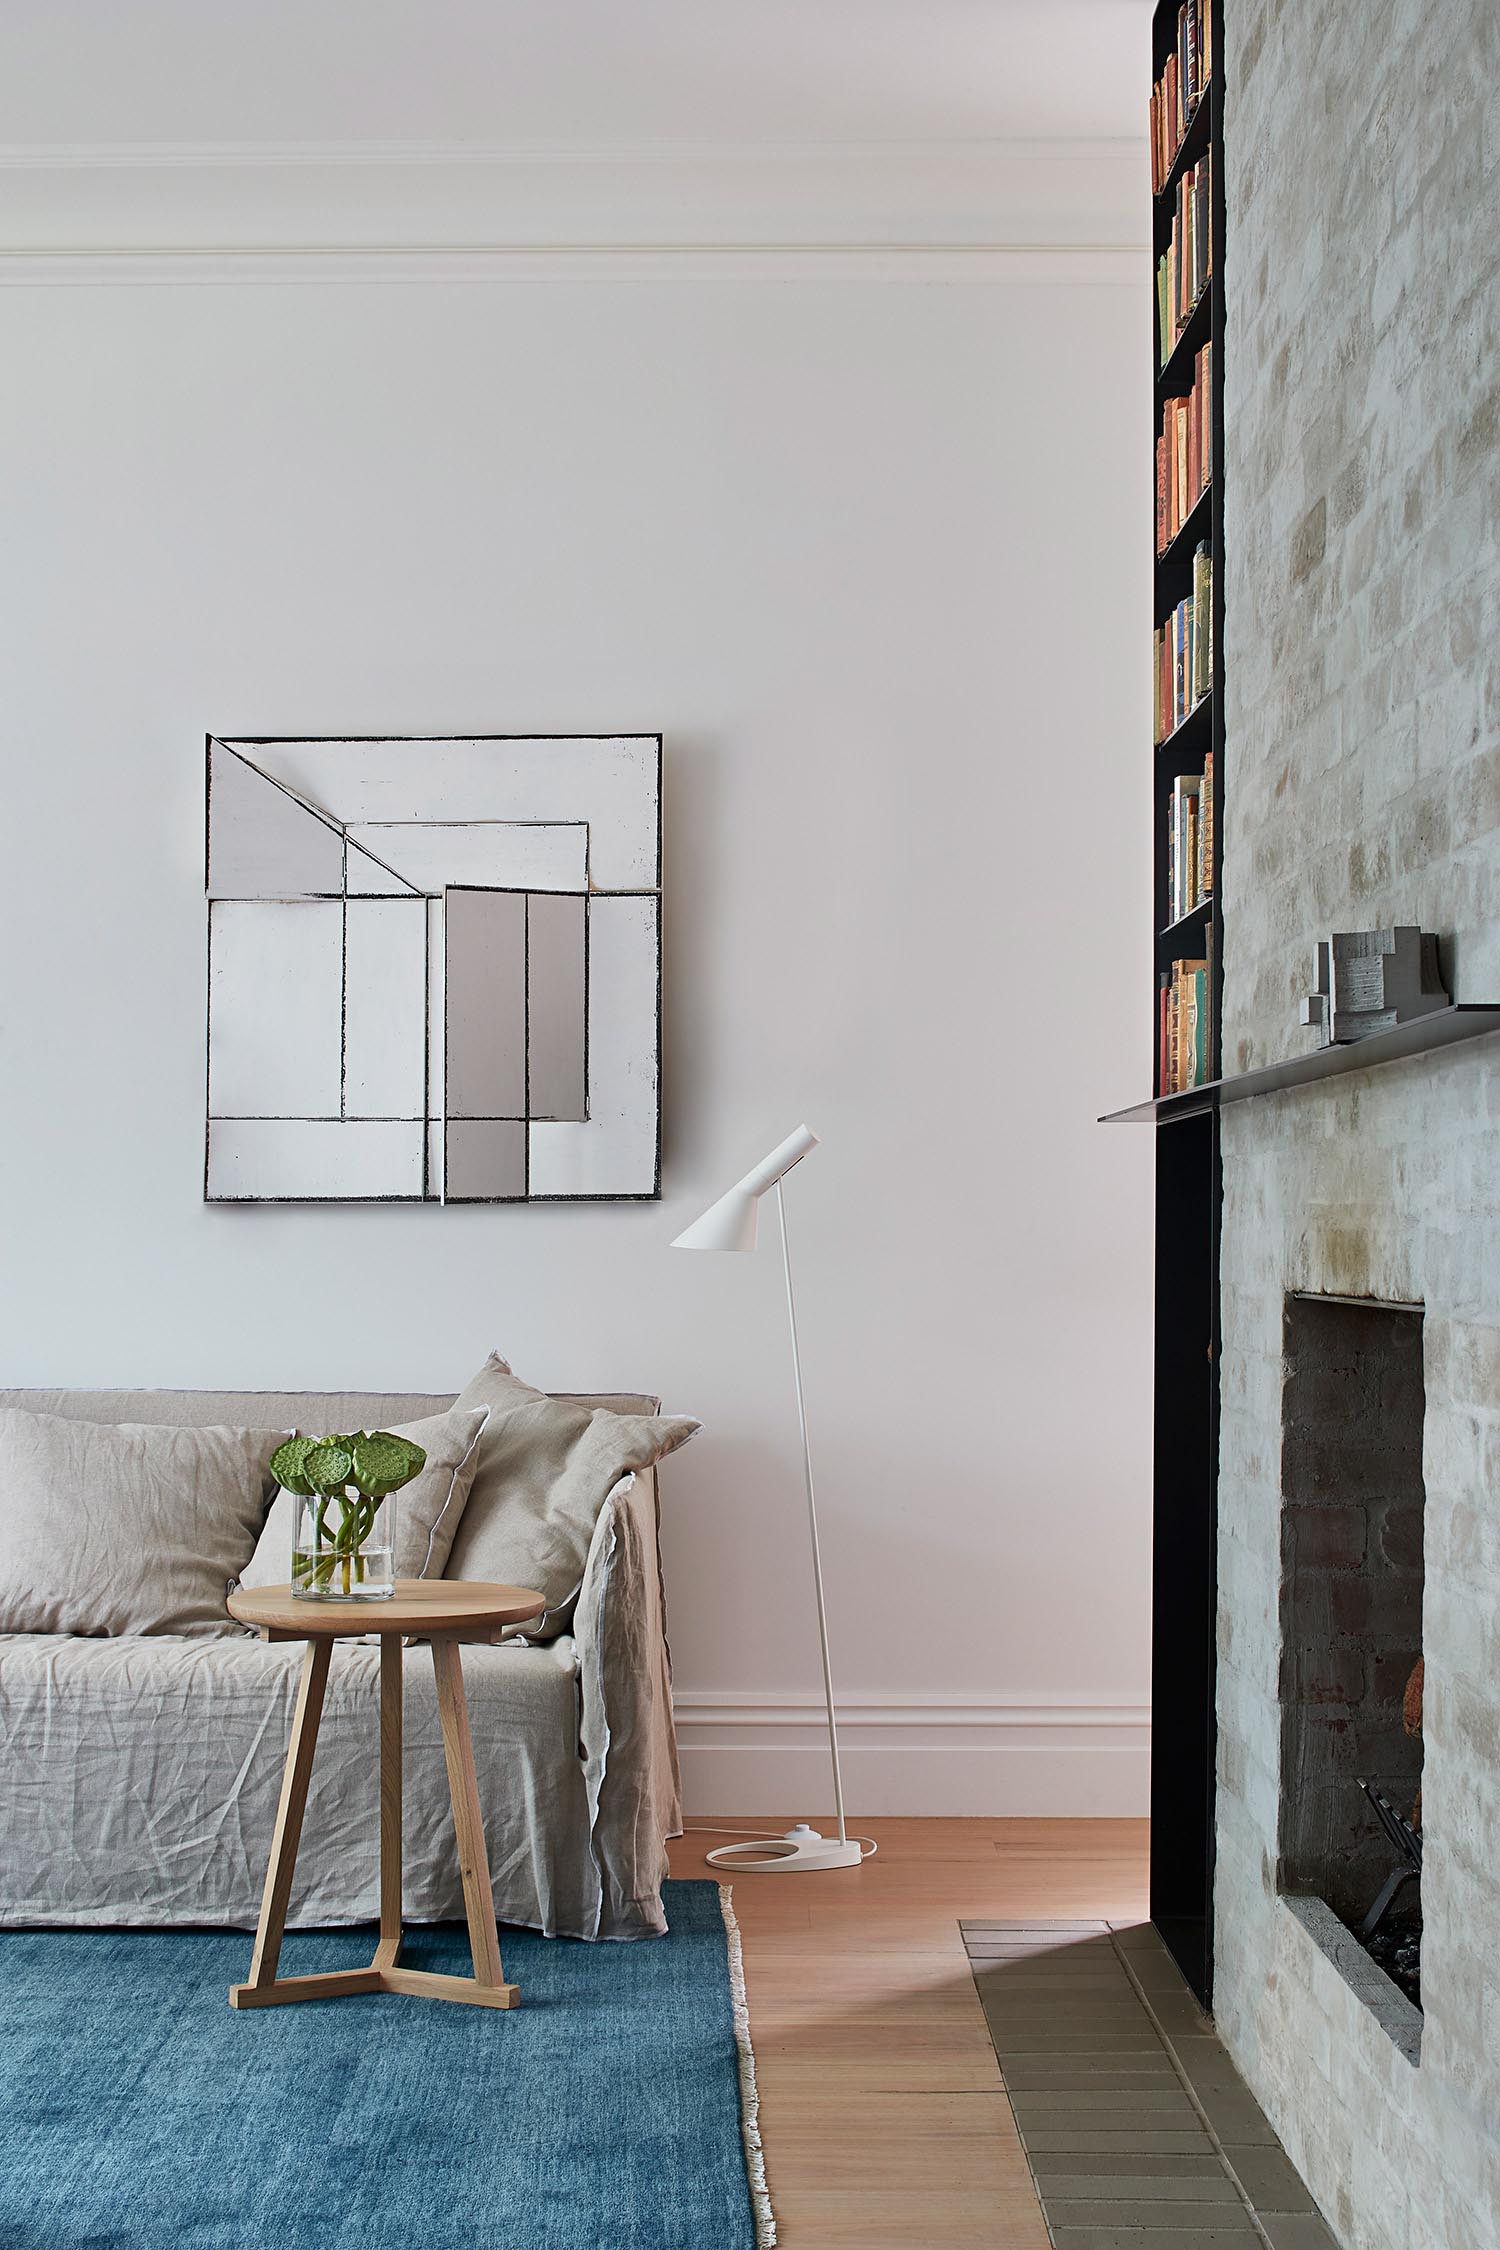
(610, 782)
(385, 1008)
(615, 1152)
(270, 1160)
(434, 968)
(499, 855)
(276, 972)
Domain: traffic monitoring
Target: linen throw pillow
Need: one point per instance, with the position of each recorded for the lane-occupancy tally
(427, 1510)
(546, 1467)
(126, 1527)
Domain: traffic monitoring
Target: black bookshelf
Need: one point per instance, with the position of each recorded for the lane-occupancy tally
(1189, 1180)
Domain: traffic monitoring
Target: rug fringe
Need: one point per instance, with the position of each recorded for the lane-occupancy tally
(755, 2155)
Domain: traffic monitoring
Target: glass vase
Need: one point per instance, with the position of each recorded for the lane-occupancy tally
(344, 1549)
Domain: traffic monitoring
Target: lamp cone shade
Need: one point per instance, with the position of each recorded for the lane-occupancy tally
(729, 1224)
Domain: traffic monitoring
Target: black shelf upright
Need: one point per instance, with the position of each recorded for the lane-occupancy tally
(1189, 1178)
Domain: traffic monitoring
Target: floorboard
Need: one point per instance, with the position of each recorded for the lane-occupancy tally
(882, 2109)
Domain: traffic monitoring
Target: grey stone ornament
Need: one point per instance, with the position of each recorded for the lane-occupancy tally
(1371, 980)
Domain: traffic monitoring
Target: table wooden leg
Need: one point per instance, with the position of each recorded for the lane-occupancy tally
(288, 1829)
(388, 1952)
(468, 1824)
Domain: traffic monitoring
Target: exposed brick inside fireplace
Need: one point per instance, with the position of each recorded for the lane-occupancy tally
(1351, 1589)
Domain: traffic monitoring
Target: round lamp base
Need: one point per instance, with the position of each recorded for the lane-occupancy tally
(799, 1852)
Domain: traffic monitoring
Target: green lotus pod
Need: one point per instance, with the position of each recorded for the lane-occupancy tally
(328, 1465)
(287, 1466)
(384, 1462)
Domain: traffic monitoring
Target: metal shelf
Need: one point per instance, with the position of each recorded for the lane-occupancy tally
(1443, 1028)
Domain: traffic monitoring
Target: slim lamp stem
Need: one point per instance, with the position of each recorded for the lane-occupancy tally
(812, 1516)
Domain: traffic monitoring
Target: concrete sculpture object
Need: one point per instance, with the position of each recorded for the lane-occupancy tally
(1371, 980)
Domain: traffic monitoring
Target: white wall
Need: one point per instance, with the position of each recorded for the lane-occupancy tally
(870, 550)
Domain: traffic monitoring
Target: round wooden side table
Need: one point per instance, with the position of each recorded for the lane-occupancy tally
(445, 1612)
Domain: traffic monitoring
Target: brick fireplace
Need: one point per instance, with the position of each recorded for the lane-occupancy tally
(1352, 1505)
(1362, 512)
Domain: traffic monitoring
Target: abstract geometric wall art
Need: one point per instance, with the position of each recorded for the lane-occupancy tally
(434, 969)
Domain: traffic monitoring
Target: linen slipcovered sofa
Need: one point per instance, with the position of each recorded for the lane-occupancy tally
(139, 1772)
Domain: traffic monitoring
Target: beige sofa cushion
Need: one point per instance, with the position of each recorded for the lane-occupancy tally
(546, 1467)
(428, 1510)
(126, 1527)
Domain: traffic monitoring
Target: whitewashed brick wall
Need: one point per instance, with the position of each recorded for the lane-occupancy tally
(1362, 643)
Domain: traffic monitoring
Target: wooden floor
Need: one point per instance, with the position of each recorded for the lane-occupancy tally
(882, 2110)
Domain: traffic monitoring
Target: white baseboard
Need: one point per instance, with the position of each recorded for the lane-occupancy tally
(932, 1755)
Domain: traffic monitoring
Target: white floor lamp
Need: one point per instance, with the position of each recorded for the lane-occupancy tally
(730, 1224)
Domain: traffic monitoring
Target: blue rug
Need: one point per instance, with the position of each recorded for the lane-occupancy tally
(138, 2111)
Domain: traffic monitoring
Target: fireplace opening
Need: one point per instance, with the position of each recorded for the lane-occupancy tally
(1353, 1404)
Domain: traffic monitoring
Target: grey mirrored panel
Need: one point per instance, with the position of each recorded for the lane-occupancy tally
(484, 1003)
(556, 998)
(484, 1160)
(262, 842)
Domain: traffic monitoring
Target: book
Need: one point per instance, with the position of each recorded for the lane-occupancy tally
(1185, 650)
(1185, 267)
(1187, 47)
(1184, 452)
(1176, 94)
(1197, 1016)
(1184, 861)
(1200, 622)
(1185, 1026)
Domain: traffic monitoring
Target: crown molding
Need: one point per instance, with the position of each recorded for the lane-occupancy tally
(419, 201)
(545, 264)
(25, 156)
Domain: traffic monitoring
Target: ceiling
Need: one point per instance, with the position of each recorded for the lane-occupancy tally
(567, 74)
